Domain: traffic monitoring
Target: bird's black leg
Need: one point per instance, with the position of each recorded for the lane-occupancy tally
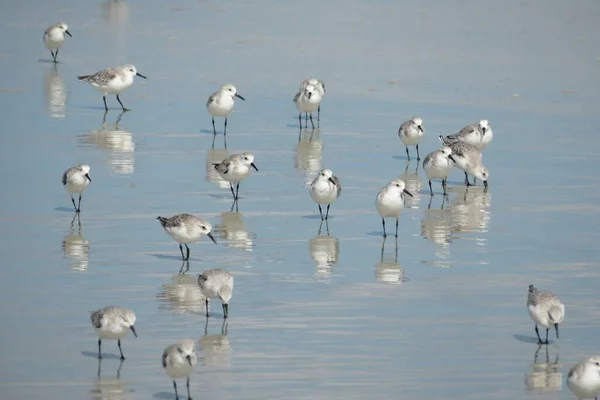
(396, 227)
(547, 335)
(99, 348)
(237, 191)
(327, 213)
(122, 106)
(73, 200)
(181, 250)
(225, 129)
(407, 155)
(188, 252)
(225, 310)
(306, 119)
(556, 327)
(538, 335)
(430, 189)
(79, 205)
(55, 56)
(319, 114)
(418, 156)
(300, 121)
(105, 106)
(214, 129)
(206, 306)
(121, 351)
(444, 187)
(467, 180)
(383, 224)
(175, 386)
(321, 212)
(232, 191)
(187, 384)
(311, 121)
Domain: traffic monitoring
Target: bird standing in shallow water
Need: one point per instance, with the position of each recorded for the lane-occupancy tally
(235, 169)
(220, 104)
(307, 100)
(216, 283)
(76, 179)
(320, 87)
(411, 133)
(437, 165)
(113, 322)
(112, 80)
(186, 229)
(546, 309)
(179, 360)
(54, 37)
(390, 201)
(325, 189)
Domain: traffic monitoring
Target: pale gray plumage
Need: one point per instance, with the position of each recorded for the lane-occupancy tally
(217, 283)
(546, 309)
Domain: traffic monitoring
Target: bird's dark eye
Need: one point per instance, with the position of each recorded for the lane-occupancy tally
(203, 228)
(597, 364)
(397, 185)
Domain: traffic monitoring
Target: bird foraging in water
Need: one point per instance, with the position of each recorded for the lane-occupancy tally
(179, 360)
(54, 37)
(76, 179)
(220, 104)
(437, 165)
(235, 169)
(112, 80)
(390, 201)
(546, 309)
(325, 189)
(411, 133)
(216, 283)
(186, 229)
(113, 322)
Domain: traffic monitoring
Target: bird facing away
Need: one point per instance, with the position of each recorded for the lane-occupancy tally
(320, 86)
(186, 229)
(216, 283)
(325, 189)
(307, 101)
(584, 378)
(235, 169)
(113, 322)
(113, 81)
(220, 104)
(390, 201)
(179, 360)
(478, 135)
(54, 37)
(411, 133)
(76, 179)
(546, 309)
(437, 165)
(470, 160)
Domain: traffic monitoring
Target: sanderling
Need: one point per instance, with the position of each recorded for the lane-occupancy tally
(546, 309)
(113, 322)
(76, 179)
(325, 189)
(478, 135)
(584, 378)
(470, 160)
(186, 229)
(54, 37)
(437, 165)
(235, 169)
(307, 101)
(112, 80)
(320, 86)
(411, 133)
(216, 283)
(220, 104)
(179, 360)
(390, 201)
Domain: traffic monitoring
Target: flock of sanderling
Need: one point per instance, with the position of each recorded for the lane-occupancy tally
(462, 150)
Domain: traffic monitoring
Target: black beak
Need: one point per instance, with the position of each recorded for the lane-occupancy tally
(133, 330)
(68, 33)
(239, 97)
(407, 192)
(556, 327)
(140, 75)
(483, 132)
(211, 237)
(189, 358)
(420, 128)
(309, 94)
(254, 166)
(451, 158)
(485, 184)
(331, 180)
(88, 176)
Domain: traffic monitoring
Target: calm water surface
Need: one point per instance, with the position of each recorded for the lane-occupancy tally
(317, 312)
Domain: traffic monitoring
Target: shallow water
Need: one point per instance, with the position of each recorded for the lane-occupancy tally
(317, 312)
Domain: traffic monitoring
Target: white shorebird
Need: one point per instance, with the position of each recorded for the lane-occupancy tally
(437, 165)
(584, 378)
(320, 86)
(54, 37)
(186, 229)
(470, 160)
(76, 179)
(325, 189)
(411, 133)
(216, 283)
(546, 309)
(220, 104)
(478, 135)
(307, 101)
(113, 322)
(113, 81)
(179, 360)
(235, 169)
(390, 201)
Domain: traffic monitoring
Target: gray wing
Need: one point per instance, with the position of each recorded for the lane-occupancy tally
(64, 177)
(338, 185)
(223, 167)
(297, 96)
(102, 77)
(165, 357)
(448, 140)
(211, 98)
(466, 150)
(464, 132)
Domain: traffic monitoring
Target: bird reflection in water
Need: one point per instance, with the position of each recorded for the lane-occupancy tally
(325, 251)
(233, 230)
(115, 12)
(308, 154)
(110, 388)
(55, 93)
(182, 295)
(215, 156)
(389, 271)
(75, 247)
(467, 214)
(413, 185)
(119, 143)
(546, 375)
(216, 347)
